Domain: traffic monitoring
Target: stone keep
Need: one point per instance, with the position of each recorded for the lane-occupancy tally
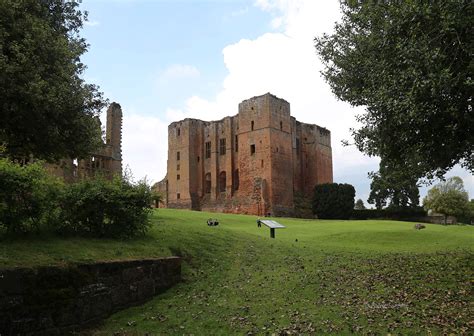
(254, 162)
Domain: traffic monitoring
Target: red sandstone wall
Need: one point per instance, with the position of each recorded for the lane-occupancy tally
(267, 178)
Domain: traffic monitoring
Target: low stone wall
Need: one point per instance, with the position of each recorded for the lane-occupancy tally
(57, 300)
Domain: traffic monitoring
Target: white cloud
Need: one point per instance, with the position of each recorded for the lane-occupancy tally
(144, 146)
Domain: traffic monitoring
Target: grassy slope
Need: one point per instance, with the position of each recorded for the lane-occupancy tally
(338, 277)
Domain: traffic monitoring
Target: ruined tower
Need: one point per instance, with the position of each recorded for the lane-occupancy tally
(107, 160)
(254, 162)
(113, 137)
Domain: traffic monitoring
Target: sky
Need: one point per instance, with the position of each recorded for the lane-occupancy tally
(166, 60)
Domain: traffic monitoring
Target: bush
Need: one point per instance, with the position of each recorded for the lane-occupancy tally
(102, 208)
(31, 199)
(407, 214)
(333, 200)
(28, 197)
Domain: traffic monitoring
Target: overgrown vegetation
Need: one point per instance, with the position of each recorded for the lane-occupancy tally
(46, 108)
(31, 200)
(29, 197)
(333, 200)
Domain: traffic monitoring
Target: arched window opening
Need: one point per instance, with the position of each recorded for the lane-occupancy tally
(222, 181)
(252, 125)
(208, 183)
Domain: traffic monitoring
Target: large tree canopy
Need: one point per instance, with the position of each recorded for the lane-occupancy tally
(448, 198)
(395, 187)
(46, 108)
(409, 63)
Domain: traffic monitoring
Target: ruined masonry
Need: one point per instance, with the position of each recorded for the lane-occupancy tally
(256, 162)
(107, 160)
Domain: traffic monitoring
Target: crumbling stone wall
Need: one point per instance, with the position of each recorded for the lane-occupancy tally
(106, 161)
(253, 162)
(61, 300)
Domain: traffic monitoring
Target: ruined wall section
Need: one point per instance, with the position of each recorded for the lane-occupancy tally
(254, 162)
(324, 156)
(178, 175)
(281, 191)
(195, 138)
(113, 149)
(106, 161)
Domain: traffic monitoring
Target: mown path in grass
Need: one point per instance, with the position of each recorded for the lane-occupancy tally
(316, 277)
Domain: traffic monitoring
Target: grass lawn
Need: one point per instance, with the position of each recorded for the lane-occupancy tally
(316, 277)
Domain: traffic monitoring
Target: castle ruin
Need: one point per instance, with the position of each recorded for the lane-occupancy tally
(254, 162)
(106, 161)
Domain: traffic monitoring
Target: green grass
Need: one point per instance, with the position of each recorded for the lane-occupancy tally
(316, 277)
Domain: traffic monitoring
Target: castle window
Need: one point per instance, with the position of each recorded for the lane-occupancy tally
(262, 164)
(178, 196)
(208, 183)
(177, 156)
(252, 149)
(178, 177)
(208, 150)
(236, 143)
(236, 179)
(222, 146)
(297, 146)
(281, 125)
(252, 125)
(198, 158)
(179, 131)
(177, 167)
(222, 181)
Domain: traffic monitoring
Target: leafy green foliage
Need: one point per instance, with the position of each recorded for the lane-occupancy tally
(395, 186)
(333, 200)
(359, 205)
(409, 63)
(46, 107)
(28, 197)
(101, 208)
(406, 214)
(448, 198)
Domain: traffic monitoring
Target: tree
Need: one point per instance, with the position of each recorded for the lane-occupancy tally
(448, 198)
(396, 187)
(47, 110)
(409, 63)
(333, 200)
(359, 205)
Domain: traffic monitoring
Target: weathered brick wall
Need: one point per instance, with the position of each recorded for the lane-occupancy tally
(106, 161)
(288, 157)
(60, 300)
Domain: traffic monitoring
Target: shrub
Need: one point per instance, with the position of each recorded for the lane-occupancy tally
(407, 214)
(333, 200)
(101, 208)
(28, 197)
